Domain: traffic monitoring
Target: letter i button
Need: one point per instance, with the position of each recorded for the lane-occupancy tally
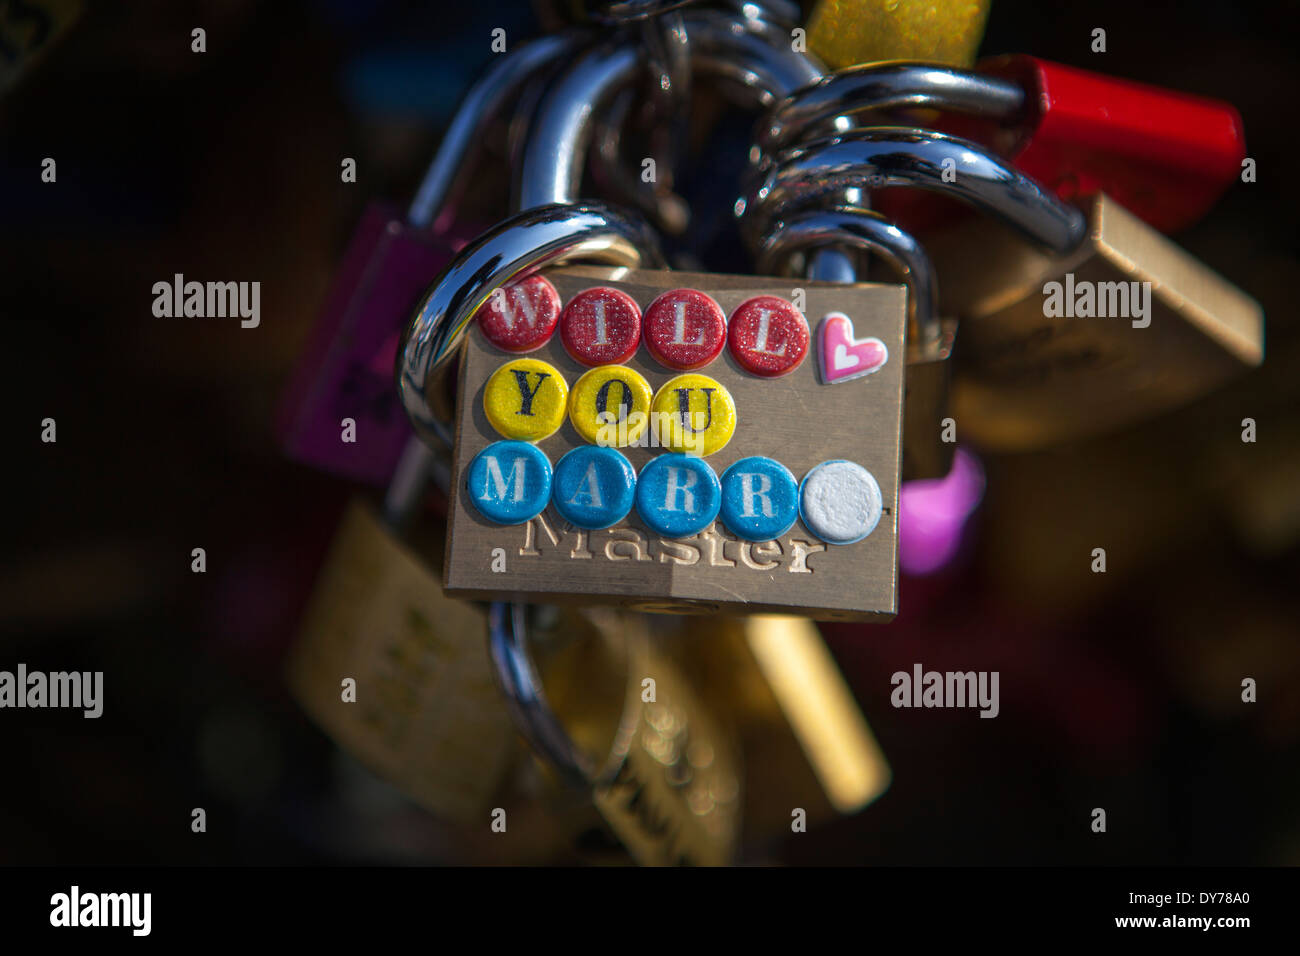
(509, 482)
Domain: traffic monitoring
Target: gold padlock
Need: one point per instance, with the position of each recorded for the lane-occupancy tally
(636, 743)
(806, 743)
(678, 538)
(1060, 347)
(421, 708)
(846, 32)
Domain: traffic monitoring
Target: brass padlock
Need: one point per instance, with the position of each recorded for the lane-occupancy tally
(1121, 327)
(649, 508)
(624, 732)
(421, 708)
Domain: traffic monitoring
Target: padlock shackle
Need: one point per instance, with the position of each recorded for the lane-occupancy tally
(902, 156)
(562, 131)
(526, 699)
(888, 86)
(484, 101)
(860, 229)
(520, 245)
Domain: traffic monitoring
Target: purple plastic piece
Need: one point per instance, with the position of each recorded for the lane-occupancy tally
(346, 369)
(932, 515)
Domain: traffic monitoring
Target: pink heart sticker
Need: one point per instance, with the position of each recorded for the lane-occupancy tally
(842, 357)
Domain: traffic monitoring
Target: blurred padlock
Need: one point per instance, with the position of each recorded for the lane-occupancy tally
(397, 673)
(805, 741)
(345, 371)
(625, 731)
(845, 32)
(1166, 156)
(1060, 346)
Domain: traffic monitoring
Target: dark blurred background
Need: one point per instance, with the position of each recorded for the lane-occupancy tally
(1119, 690)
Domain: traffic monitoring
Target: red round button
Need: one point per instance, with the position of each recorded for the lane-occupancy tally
(520, 317)
(685, 329)
(767, 335)
(601, 326)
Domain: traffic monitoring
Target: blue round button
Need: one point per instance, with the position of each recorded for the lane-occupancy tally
(760, 499)
(509, 482)
(678, 495)
(593, 487)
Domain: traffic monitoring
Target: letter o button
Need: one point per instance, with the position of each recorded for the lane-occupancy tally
(678, 495)
(526, 399)
(760, 499)
(509, 482)
(610, 406)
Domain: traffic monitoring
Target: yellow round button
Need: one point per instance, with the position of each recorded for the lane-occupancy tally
(694, 414)
(610, 406)
(525, 399)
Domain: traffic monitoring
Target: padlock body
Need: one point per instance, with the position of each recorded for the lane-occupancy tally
(426, 714)
(1165, 156)
(796, 420)
(345, 372)
(1059, 348)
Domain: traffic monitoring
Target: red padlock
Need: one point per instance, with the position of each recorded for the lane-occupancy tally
(1165, 156)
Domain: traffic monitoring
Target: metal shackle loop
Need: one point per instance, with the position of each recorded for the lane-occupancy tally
(903, 156)
(485, 100)
(806, 113)
(553, 159)
(522, 244)
(860, 229)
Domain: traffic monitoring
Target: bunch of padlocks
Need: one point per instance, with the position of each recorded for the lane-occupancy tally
(633, 439)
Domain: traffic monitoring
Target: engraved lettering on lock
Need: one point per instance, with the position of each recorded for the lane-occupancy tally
(716, 542)
(631, 540)
(529, 550)
(690, 420)
(526, 395)
(750, 550)
(677, 552)
(496, 480)
(799, 552)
